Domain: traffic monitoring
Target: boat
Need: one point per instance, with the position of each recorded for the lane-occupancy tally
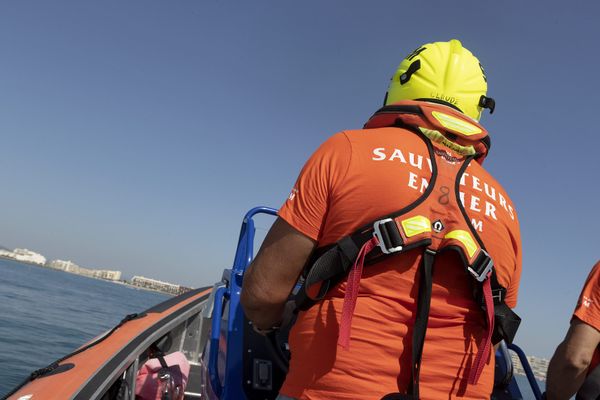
(228, 360)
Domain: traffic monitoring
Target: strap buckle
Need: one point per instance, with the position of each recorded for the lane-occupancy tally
(389, 239)
(497, 295)
(482, 267)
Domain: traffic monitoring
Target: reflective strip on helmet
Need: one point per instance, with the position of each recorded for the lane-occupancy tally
(465, 238)
(456, 124)
(416, 225)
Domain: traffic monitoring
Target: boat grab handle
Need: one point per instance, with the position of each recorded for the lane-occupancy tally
(213, 356)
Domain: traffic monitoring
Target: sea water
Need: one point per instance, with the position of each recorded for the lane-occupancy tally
(45, 314)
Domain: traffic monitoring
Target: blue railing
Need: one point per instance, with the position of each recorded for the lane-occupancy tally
(215, 334)
(231, 387)
(528, 371)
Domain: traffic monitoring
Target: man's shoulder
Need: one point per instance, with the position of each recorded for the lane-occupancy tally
(483, 174)
(588, 305)
(385, 138)
(386, 131)
(593, 280)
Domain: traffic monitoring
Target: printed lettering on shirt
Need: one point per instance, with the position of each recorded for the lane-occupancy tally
(409, 158)
(488, 202)
(477, 224)
(587, 302)
(412, 182)
(491, 195)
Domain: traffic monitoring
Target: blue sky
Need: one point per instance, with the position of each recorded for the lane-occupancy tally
(135, 134)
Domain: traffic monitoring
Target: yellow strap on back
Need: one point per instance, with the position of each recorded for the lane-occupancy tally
(466, 239)
(437, 137)
(416, 225)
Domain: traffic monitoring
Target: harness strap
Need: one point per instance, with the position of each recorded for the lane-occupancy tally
(420, 326)
(485, 344)
(162, 361)
(329, 265)
(351, 294)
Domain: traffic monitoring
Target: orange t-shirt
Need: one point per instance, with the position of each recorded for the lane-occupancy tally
(588, 307)
(352, 179)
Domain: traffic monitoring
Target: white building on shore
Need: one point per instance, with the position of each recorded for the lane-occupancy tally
(24, 255)
(70, 266)
(157, 285)
(67, 266)
(107, 274)
(539, 366)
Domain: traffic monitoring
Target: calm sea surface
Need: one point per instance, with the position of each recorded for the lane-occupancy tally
(45, 314)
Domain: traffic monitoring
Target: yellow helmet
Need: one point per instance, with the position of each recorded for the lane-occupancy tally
(442, 72)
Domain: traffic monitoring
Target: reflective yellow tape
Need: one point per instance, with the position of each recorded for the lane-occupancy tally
(436, 136)
(456, 124)
(465, 238)
(415, 225)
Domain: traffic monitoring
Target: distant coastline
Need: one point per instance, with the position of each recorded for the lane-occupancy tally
(22, 262)
(132, 286)
(28, 257)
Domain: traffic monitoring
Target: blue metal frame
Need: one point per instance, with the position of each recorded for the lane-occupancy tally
(232, 385)
(527, 368)
(504, 376)
(215, 334)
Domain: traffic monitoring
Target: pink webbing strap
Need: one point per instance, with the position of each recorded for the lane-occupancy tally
(486, 341)
(352, 285)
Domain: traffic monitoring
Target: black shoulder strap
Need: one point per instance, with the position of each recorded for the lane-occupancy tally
(506, 321)
(161, 360)
(420, 326)
(329, 265)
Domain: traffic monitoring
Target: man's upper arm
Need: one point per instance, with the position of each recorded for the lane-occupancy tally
(581, 341)
(279, 263)
(583, 336)
(294, 235)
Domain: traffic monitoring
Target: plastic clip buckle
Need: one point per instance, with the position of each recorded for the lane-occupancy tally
(483, 268)
(377, 234)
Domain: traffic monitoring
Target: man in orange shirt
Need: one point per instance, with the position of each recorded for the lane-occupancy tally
(579, 353)
(413, 180)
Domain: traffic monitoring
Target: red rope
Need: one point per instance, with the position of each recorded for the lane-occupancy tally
(486, 341)
(352, 285)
